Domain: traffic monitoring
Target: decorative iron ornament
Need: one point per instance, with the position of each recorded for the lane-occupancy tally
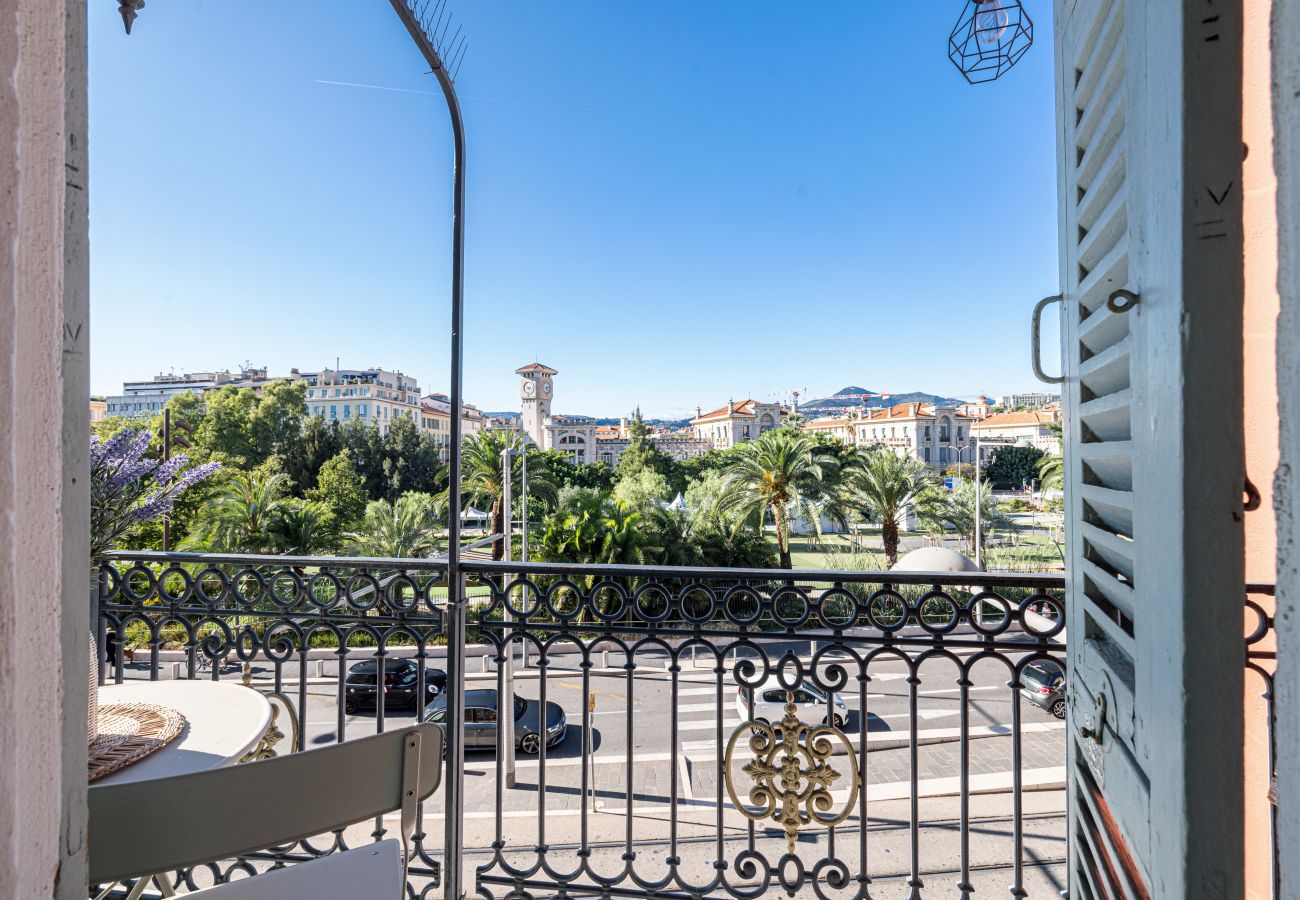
(792, 778)
(265, 748)
(989, 38)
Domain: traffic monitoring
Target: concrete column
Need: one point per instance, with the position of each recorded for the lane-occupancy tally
(1259, 411)
(1286, 161)
(44, 432)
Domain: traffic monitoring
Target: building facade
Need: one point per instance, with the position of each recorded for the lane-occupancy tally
(435, 420)
(373, 396)
(937, 436)
(1041, 430)
(580, 438)
(1031, 400)
(147, 398)
(736, 422)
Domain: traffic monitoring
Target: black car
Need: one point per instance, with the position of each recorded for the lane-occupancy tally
(481, 721)
(1043, 684)
(401, 680)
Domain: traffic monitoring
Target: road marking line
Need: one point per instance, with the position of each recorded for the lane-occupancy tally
(706, 724)
(875, 737)
(684, 778)
(1047, 778)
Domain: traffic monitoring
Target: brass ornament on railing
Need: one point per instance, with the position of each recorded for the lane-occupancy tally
(792, 778)
(265, 748)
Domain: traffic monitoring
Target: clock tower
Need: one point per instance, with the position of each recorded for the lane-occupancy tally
(535, 392)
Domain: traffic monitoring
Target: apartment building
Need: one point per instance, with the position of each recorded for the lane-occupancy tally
(147, 398)
(938, 436)
(374, 396)
(1031, 400)
(1041, 430)
(736, 422)
(435, 419)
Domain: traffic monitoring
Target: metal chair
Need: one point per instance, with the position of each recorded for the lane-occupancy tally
(141, 828)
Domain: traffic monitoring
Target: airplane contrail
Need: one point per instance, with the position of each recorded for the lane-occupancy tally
(376, 87)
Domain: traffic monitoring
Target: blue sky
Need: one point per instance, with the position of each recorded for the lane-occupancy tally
(673, 203)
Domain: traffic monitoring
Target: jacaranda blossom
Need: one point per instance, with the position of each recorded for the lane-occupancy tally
(127, 487)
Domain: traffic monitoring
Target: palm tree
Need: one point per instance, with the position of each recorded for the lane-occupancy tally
(481, 459)
(242, 516)
(956, 512)
(1051, 472)
(404, 529)
(779, 470)
(887, 484)
(303, 527)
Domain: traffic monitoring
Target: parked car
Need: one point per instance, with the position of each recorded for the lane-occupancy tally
(401, 681)
(813, 706)
(481, 717)
(1043, 684)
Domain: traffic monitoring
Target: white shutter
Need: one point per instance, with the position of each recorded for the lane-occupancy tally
(1148, 113)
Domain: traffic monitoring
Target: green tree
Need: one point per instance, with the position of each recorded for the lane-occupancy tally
(320, 442)
(642, 491)
(365, 446)
(775, 473)
(955, 512)
(598, 475)
(481, 471)
(406, 528)
(884, 485)
(407, 463)
(242, 514)
(1014, 465)
(275, 421)
(303, 527)
(700, 465)
(227, 430)
(590, 527)
(1051, 472)
(340, 492)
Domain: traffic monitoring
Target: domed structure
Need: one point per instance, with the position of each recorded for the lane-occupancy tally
(935, 559)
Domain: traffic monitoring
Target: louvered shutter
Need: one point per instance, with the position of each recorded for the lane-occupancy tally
(1148, 110)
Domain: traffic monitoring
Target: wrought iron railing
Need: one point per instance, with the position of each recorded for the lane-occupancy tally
(929, 763)
(1261, 665)
(290, 627)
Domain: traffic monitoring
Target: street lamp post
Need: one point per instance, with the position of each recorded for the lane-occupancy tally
(428, 36)
(978, 523)
(505, 702)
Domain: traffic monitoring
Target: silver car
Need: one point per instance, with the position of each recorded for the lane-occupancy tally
(481, 717)
(812, 705)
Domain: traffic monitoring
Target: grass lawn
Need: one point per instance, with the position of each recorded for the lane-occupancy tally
(1010, 550)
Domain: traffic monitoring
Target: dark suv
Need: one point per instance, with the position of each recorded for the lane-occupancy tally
(401, 678)
(1043, 684)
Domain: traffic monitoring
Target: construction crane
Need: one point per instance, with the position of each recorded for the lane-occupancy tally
(790, 392)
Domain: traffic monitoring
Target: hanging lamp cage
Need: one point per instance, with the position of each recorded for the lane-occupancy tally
(989, 38)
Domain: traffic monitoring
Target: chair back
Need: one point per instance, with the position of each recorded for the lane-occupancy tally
(143, 827)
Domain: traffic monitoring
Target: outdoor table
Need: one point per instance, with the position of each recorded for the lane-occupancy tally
(223, 723)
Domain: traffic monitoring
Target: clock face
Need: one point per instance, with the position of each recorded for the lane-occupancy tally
(529, 388)
(546, 388)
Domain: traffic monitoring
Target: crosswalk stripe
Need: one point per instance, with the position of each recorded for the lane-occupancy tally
(975, 731)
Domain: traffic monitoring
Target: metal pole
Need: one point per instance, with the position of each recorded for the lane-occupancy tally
(523, 453)
(978, 523)
(453, 876)
(167, 454)
(505, 704)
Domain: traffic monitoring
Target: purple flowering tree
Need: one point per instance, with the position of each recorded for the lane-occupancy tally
(128, 488)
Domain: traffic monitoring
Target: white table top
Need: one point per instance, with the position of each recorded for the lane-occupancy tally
(223, 721)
